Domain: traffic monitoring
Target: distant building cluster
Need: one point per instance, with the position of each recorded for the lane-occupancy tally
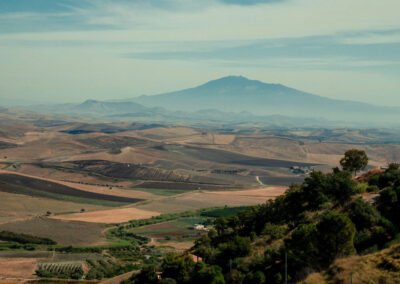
(301, 170)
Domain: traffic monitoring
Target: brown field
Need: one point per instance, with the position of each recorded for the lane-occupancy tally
(56, 175)
(63, 232)
(110, 216)
(127, 155)
(177, 203)
(203, 199)
(14, 207)
(23, 268)
(115, 191)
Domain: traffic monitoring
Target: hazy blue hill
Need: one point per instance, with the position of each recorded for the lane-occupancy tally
(237, 94)
(97, 108)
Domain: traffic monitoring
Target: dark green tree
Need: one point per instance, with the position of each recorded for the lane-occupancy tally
(354, 160)
(207, 274)
(147, 275)
(335, 236)
(177, 267)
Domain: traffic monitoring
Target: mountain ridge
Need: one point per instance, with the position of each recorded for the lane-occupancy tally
(237, 94)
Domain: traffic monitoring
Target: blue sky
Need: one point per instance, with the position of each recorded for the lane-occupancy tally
(72, 50)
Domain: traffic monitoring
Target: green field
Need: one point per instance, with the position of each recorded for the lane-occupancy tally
(179, 229)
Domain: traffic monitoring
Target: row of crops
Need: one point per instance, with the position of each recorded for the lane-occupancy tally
(64, 270)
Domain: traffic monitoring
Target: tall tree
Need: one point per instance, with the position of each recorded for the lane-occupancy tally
(354, 160)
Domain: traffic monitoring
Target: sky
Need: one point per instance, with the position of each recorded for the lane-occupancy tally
(72, 50)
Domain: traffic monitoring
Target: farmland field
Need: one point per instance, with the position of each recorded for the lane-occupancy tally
(17, 268)
(20, 207)
(41, 188)
(205, 199)
(109, 216)
(64, 233)
(177, 229)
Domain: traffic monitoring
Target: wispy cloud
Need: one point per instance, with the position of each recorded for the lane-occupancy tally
(201, 39)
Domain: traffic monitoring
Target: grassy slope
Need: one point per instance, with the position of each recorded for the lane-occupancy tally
(372, 268)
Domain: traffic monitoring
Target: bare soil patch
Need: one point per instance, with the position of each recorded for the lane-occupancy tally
(117, 215)
(203, 199)
(18, 207)
(17, 267)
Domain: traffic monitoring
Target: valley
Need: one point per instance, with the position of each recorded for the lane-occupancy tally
(77, 182)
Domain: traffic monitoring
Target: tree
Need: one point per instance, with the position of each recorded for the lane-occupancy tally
(363, 214)
(354, 160)
(177, 267)
(340, 186)
(207, 274)
(302, 247)
(335, 236)
(147, 275)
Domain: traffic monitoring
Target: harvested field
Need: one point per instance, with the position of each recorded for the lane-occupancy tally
(18, 268)
(121, 170)
(64, 233)
(117, 215)
(109, 190)
(56, 175)
(125, 155)
(225, 157)
(16, 207)
(19, 184)
(182, 186)
(204, 199)
(110, 141)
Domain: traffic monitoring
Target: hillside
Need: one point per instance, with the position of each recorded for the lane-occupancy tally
(322, 231)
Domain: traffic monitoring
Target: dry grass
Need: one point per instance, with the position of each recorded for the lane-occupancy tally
(17, 268)
(380, 267)
(127, 155)
(110, 216)
(15, 207)
(203, 199)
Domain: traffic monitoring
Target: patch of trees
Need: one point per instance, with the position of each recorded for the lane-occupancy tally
(106, 269)
(310, 226)
(24, 238)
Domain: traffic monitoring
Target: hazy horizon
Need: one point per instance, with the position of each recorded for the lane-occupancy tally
(71, 51)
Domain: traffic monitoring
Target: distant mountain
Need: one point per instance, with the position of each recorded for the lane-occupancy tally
(235, 100)
(93, 108)
(238, 94)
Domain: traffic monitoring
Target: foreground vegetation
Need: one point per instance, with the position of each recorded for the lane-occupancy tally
(304, 231)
